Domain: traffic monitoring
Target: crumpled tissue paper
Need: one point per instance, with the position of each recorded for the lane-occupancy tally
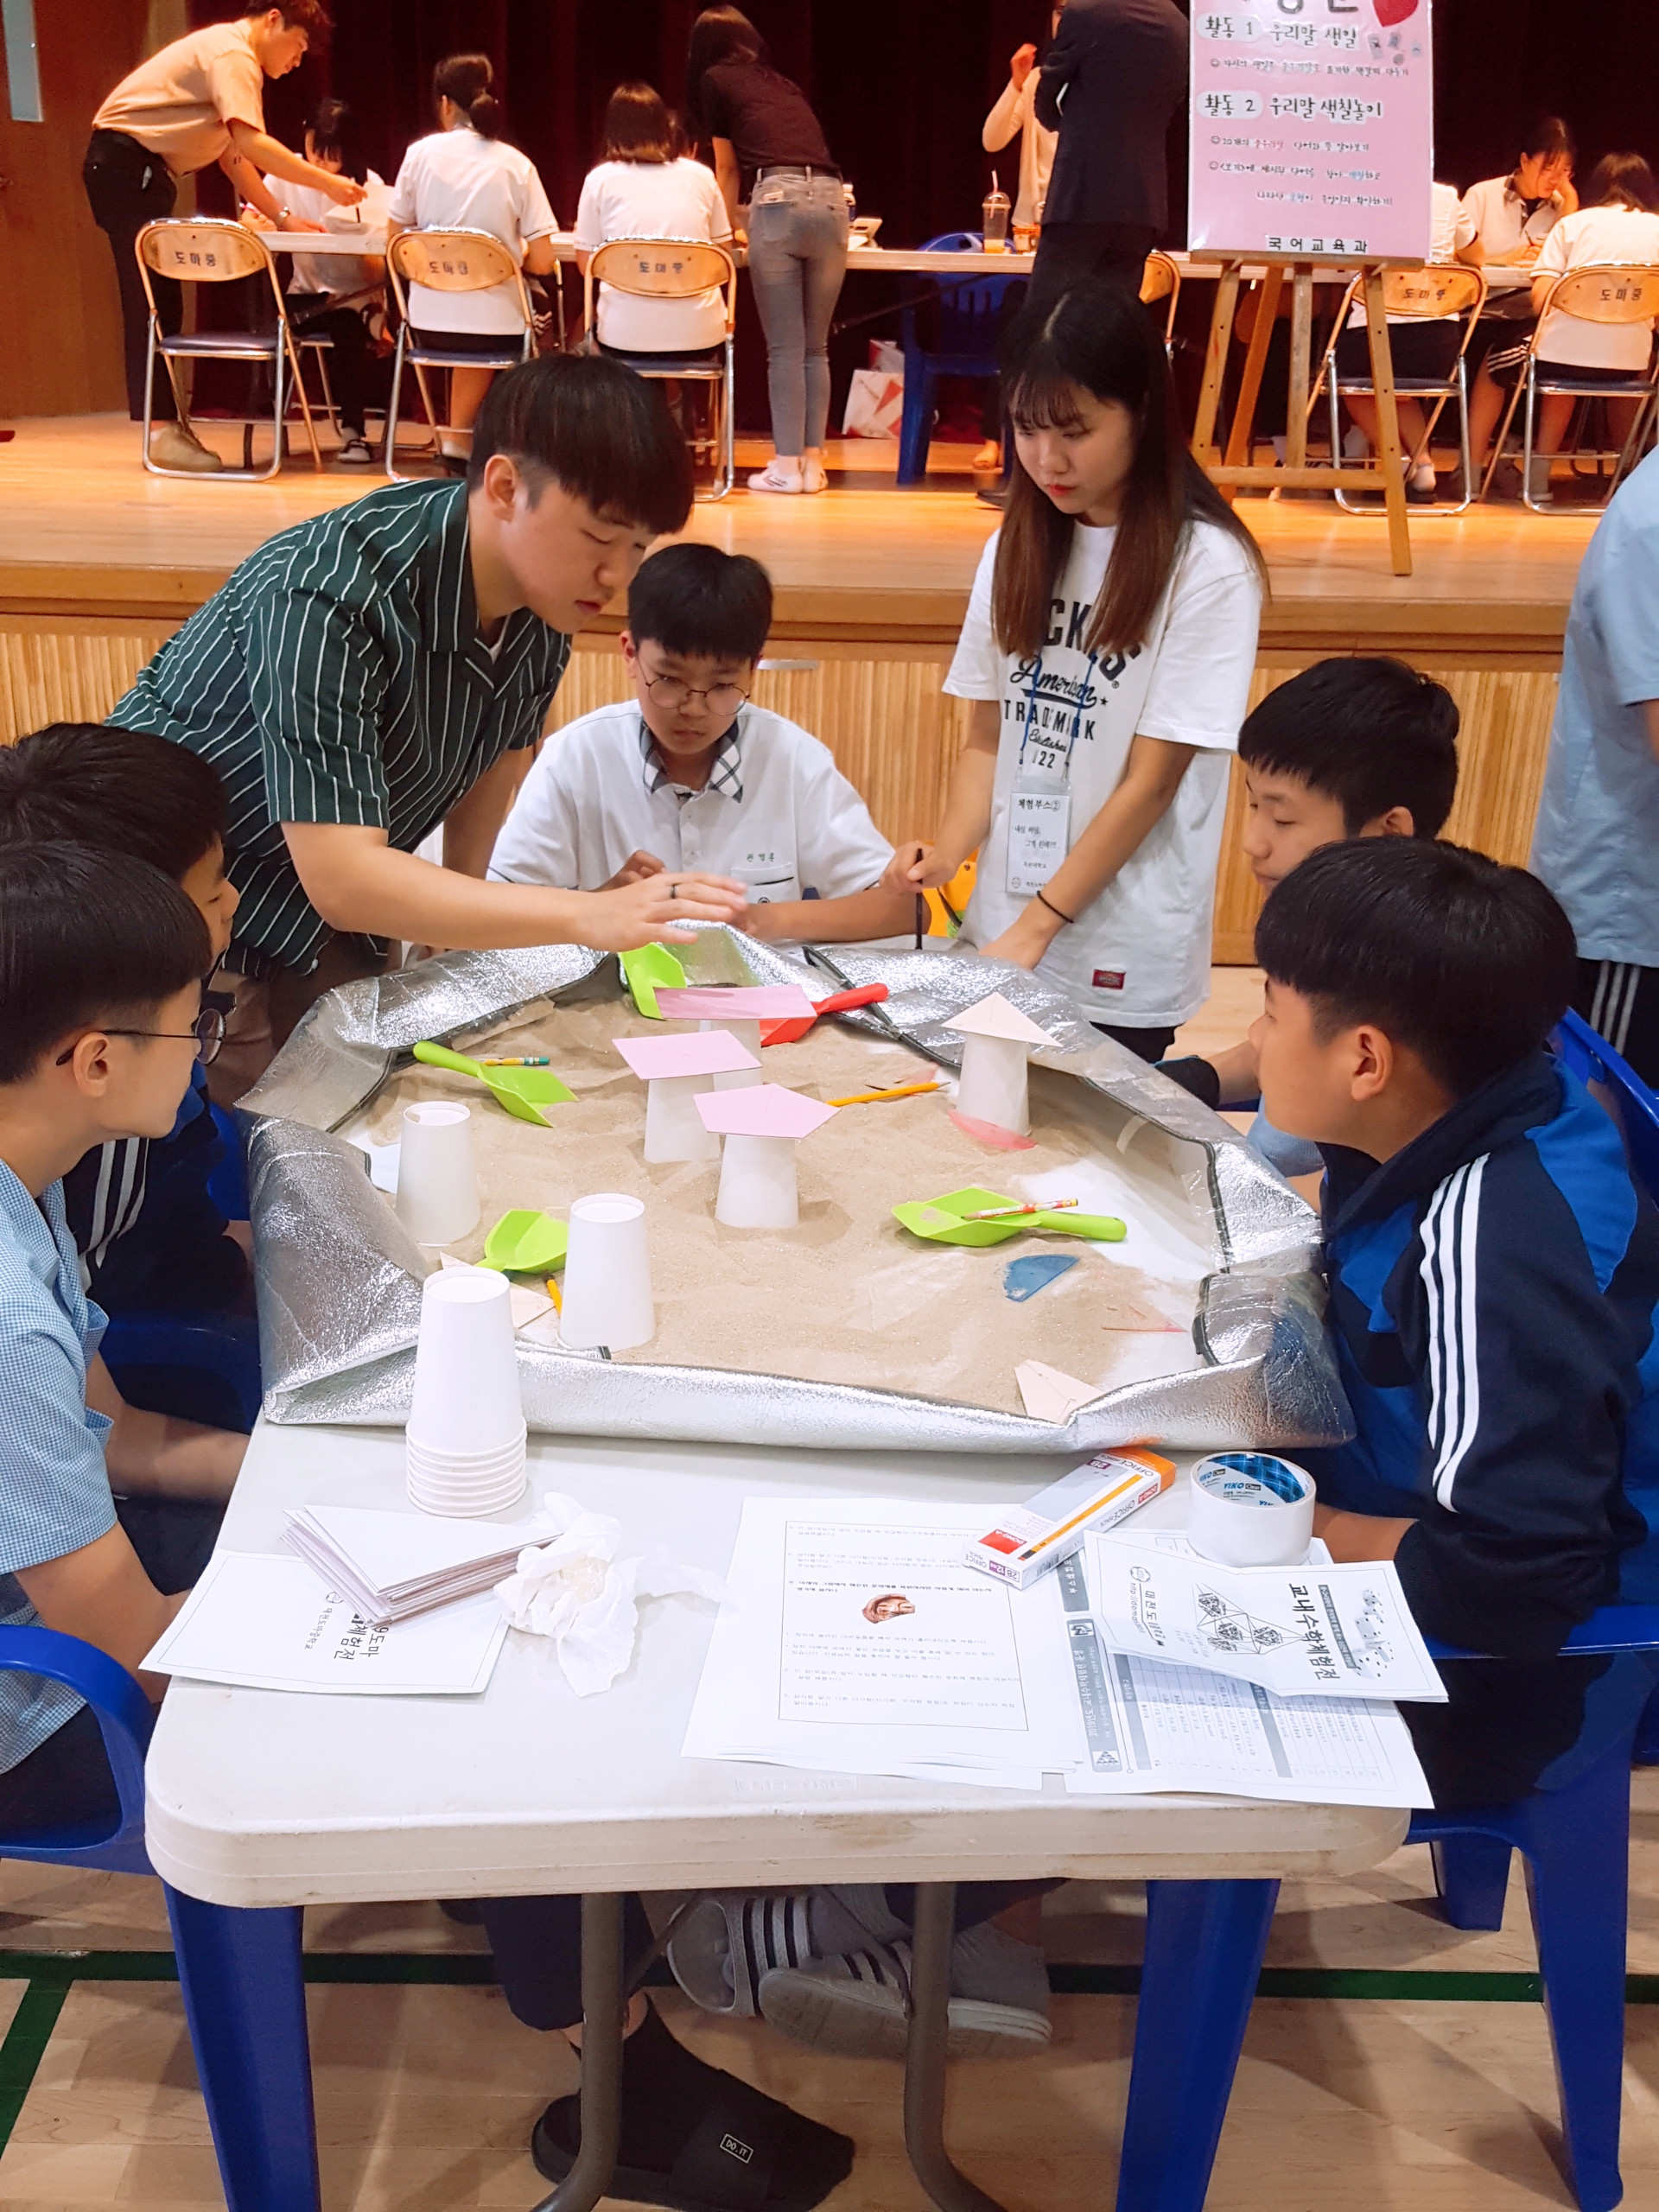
(577, 1591)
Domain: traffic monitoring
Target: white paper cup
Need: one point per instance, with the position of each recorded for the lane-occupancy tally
(463, 1466)
(607, 1298)
(466, 1500)
(992, 1087)
(747, 1034)
(466, 1397)
(1248, 1508)
(757, 1189)
(437, 1178)
(674, 1128)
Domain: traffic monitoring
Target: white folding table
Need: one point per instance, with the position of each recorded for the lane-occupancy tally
(260, 1804)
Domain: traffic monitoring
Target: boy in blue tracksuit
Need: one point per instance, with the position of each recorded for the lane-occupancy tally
(1493, 1278)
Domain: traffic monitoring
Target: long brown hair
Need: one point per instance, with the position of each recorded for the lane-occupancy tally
(1100, 339)
(638, 126)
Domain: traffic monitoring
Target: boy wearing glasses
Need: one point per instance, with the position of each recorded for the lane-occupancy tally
(101, 961)
(151, 1239)
(688, 773)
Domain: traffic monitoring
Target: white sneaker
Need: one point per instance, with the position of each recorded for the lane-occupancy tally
(771, 478)
(814, 477)
(171, 446)
(859, 2005)
(354, 450)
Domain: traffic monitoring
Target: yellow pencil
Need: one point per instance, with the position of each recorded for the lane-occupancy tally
(553, 1292)
(876, 1098)
(1095, 1505)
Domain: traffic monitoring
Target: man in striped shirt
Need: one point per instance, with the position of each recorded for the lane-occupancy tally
(388, 667)
(1493, 1273)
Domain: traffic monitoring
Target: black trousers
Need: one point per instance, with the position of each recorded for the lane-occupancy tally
(1620, 1001)
(1145, 1044)
(358, 377)
(129, 187)
(1067, 253)
(68, 1779)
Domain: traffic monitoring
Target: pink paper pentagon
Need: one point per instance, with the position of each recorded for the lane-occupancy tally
(765, 1110)
(750, 1002)
(686, 1052)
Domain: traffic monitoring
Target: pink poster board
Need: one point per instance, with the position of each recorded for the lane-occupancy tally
(1313, 128)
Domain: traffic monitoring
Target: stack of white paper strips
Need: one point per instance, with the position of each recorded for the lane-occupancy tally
(392, 1566)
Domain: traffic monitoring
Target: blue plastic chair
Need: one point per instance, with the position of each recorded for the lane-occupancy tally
(967, 331)
(241, 1972)
(1206, 1942)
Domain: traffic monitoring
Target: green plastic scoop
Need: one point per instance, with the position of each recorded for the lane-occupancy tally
(523, 1091)
(942, 1220)
(526, 1243)
(647, 970)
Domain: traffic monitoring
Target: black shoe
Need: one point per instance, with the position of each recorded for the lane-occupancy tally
(466, 1912)
(992, 495)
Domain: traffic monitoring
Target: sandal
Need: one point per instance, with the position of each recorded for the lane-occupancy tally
(747, 2153)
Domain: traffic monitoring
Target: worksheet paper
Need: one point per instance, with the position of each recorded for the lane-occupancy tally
(1148, 1724)
(261, 1622)
(860, 1641)
(1328, 1631)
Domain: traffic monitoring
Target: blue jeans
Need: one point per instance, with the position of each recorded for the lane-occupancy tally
(797, 257)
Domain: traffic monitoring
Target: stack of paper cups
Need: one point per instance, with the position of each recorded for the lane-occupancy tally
(466, 1437)
(1248, 1508)
(607, 1298)
(437, 1178)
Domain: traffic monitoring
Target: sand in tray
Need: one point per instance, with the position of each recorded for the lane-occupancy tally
(849, 1296)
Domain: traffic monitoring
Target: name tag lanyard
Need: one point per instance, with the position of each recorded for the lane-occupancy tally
(1039, 804)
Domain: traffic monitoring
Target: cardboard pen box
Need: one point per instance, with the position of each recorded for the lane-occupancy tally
(1030, 1539)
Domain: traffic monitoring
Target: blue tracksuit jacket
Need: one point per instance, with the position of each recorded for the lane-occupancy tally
(1493, 1290)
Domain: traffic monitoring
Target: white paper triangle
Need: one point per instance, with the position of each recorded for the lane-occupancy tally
(994, 1017)
(1050, 1395)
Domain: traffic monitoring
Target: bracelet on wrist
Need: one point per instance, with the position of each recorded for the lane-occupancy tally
(1067, 919)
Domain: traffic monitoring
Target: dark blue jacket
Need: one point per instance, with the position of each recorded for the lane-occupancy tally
(1493, 1290)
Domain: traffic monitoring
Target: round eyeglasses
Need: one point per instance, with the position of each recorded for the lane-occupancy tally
(207, 1035)
(668, 693)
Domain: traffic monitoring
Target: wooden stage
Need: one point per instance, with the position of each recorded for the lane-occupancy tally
(100, 562)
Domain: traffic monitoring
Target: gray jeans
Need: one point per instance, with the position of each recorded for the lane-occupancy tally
(797, 257)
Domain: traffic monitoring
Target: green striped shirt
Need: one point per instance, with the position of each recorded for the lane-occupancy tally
(338, 676)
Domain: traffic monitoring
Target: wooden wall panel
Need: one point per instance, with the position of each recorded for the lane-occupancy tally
(883, 715)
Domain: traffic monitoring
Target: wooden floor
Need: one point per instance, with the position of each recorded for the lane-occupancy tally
(84, 530)
(1432, 2095)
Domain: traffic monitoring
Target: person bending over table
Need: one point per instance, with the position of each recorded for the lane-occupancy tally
(465, 176)
(1108, 651)
(388, 667)
(1011, 117)
(769, 153)
(198, 101)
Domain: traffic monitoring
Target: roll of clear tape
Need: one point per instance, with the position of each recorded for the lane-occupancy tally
(1250, 1509)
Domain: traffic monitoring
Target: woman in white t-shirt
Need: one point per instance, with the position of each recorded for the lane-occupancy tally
(641, 190)
(1109, 647)
(1618, 222)
(465, 176)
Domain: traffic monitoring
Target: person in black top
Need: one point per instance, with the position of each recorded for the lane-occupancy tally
(770, 151)
(1122, 66)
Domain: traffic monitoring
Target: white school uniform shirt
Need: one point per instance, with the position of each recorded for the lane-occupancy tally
(343, 273)
(776, 814)
(1494, 211)
(654, 199)
(459, 180)
(1139, 957)
(1597, 234)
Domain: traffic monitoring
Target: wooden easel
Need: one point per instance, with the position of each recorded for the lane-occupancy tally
(1236, 467)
